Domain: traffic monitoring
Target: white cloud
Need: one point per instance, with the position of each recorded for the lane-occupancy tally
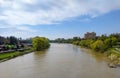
(15, 13)
(18, 32)
(35, 12)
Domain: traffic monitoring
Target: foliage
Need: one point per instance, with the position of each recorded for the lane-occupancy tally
(40, 43)
(76, 42)
(86, 43)
(101, 43)
(102, 37)
(76, 38)
(62, 40)
(14, 41)
(98, 46)
(2, 40)
(110, 42)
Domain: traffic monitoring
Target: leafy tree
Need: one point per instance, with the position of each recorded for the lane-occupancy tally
(13, 40)
(7, 40)
(2, 40)
(102, 37)
(76, 38)
(111, 41)
(40, 43)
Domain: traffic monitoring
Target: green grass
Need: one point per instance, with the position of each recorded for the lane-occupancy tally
(116, 52)
(9, 55)
(6, 56)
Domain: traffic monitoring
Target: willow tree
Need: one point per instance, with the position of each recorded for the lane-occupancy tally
(40, 43)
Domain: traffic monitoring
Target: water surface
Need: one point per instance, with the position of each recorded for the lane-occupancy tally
(59, 61)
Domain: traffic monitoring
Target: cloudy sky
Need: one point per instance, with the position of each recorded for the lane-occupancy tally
(58, 18)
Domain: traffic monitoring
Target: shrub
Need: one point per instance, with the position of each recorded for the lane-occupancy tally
(99, 46)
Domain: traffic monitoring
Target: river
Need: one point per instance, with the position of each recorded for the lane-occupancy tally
(59, 61)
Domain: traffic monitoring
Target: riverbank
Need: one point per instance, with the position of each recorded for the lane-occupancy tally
(114, 56)
(10, 55)
(108, 46)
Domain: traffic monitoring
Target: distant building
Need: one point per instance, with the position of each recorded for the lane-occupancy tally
(90, 35)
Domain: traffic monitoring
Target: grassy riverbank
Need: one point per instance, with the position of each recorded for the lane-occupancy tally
(39, 43)
(114, 56)
(10, 55)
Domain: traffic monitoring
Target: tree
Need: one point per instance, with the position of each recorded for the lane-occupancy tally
(13, 40)
(40, 43)
(2, 40)
(76, 39)
(111, 41)
(102, 37)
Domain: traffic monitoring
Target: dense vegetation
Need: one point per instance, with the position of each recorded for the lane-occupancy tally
(9, 43)
(13, 40)
(40, 43)
(62, 40)
(99, 43)
(11, 47)
(13, 43)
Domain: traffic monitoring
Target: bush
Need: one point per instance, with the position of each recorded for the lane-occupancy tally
(110, 42)
(76, 42)
(86, 43)
(99, 46)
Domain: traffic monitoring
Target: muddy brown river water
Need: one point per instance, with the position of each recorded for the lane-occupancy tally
(59, 61)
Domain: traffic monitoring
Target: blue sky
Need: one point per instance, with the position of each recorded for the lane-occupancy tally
(58, 18)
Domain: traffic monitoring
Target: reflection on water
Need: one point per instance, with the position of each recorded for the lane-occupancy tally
(59, 61)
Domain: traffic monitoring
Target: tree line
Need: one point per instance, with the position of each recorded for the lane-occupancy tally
(38, 43)
(98, 43)
(12, 42)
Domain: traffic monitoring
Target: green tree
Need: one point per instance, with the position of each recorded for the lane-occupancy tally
(13, 40)
(111, 41)
(76, 39)
(40, 43)
(102, 37)
(2, 40)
